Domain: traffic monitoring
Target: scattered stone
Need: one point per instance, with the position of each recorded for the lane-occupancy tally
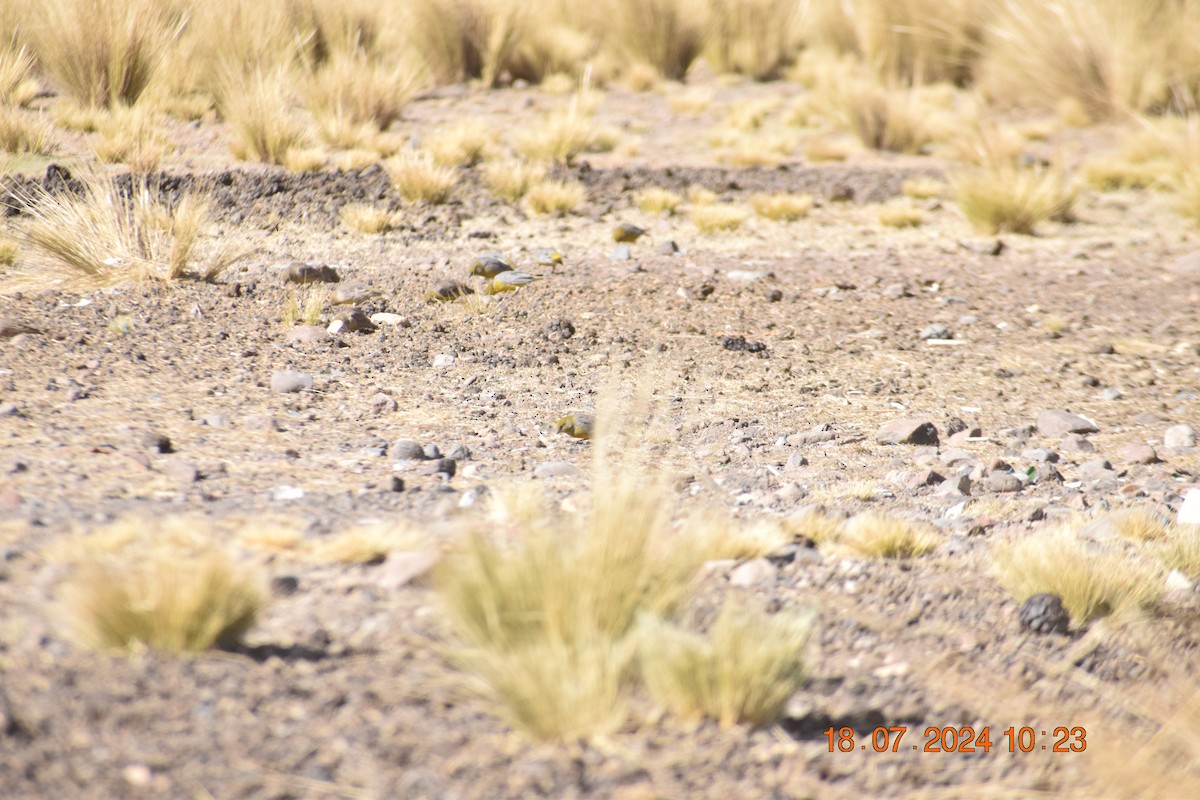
(9, 501)
(432, 452)
(397, 484)
(1040, 454)
(1096, 469)
(382, 318)
(555, 469)
(955, 425)
(285, 381)
(739, 344)
(956, 486)
(1139, 454)
(181, 471)
(307, 334)
(1002, 482)
(1177, 583)
(10, 410)
(1112, 393)
(795, 461)
(1045, 473)
(408, 450)
(907, 431)
(895, 291)
(926, 477)
(460, 452)
(157, 442)
(285, 493)
(444, 360)
(560, 330)
(955, 455)
(1019, 432)
(1144, 418)
(964, 437)
(621, 252)
(746, 275)
(441, 466)
(138, 776)
(935, 331)
(753, 573)
(1074, 442)
(285, 585)
(774, 296)
(1044, 614)
(820, 433)
(1188, 264)
(1178, 437)
(1056, 423)
(667, 248)
(401, 569)
(304, 272)
(352, 320)
(383, 404)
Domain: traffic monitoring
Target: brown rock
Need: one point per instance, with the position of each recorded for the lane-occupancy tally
(1139, 454)
(907, 431)
(1056, 423)
(303, 272)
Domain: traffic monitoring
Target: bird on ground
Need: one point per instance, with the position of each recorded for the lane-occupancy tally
(580, 426)
(509, 281)
(489, 265)
(447, 291)
(626, 232)
(547, 256)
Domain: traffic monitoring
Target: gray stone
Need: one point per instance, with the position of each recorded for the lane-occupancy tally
(795, 461)
(260, 422)
(1056, 423)
(666, 248)
(307, 334)
(1045, 473)
(157, 442)
(1077, 443)
(441, 466)
(956, 455)
(907, 431)
(956, 486)
(285, 493)
(964, 437)
(895, 291)
(402, 569)
(1178, 437)
(753, 573)
(383, 404)
(1189, 512)
(935, 331)
(1139, 454)
(444, 360)
(284, 585)
(1019, 432)
(926, 477)
(1112, 393)
(286, 381)
(10, 410)
(1039, 455)
(1096, 469)
(432, 452)
(352, 320)
(1044, 614)
(555, 469)
(408, 450)
(1002, 482)
(216, 421)
(621, 252)
(460, 452)
(182, 470)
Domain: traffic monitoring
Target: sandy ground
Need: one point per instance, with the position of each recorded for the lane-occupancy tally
(341, 690)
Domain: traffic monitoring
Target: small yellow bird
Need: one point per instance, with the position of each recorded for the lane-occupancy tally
(450, 290)
(578, 425)
(547, 256)
(625, 232)
(509, 281)
(489, 265)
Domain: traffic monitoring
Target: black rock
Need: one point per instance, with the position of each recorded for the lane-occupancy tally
(1044, 613)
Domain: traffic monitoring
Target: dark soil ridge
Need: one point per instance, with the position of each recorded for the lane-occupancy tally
(271, 197)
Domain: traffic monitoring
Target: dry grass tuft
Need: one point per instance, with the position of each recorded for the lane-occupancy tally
(1182, 551)
(362, 91)
(782, 207)
(511, 179)
(824, 149)
(1140, 523)
(880, 536)
(1002, 196)
(667, 35)
(355, 159)
(171, 602)
(305, 159)
(699, 195)
(9, 250)
(460, 144)
(260, 121)
(554, 197)
(467, 39)
(106, 235)
(17, 85)
(656, 200)
(1091, 582)
(559, 137)
(715, 218)
(758, 38)
(901, 215)
(885, 119)
(131, 136)
(417, 177)
(742, 672)
(692, 102)
(366, 218)
(104, 53)
(24, 132)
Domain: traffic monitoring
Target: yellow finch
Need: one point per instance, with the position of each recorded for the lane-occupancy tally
(578, 425)
(508, 281)
(450, 290)
(489, 265)
(547, 256)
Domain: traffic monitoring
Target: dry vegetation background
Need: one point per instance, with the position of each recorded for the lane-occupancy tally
(565, 618)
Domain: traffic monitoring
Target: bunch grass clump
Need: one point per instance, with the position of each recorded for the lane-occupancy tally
(1003, 196)
(419, 178)
(1091, 582)
(178, 604)
(742, 672)
(718, 217)
(511, 179)
(781, 206)
(258, 110)
(554, 197)
(877, 535)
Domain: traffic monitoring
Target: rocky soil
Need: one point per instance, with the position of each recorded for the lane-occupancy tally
(829, 362)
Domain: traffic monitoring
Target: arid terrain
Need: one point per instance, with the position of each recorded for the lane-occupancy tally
(765, 361)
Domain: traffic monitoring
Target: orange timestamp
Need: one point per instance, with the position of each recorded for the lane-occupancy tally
(950, 739)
